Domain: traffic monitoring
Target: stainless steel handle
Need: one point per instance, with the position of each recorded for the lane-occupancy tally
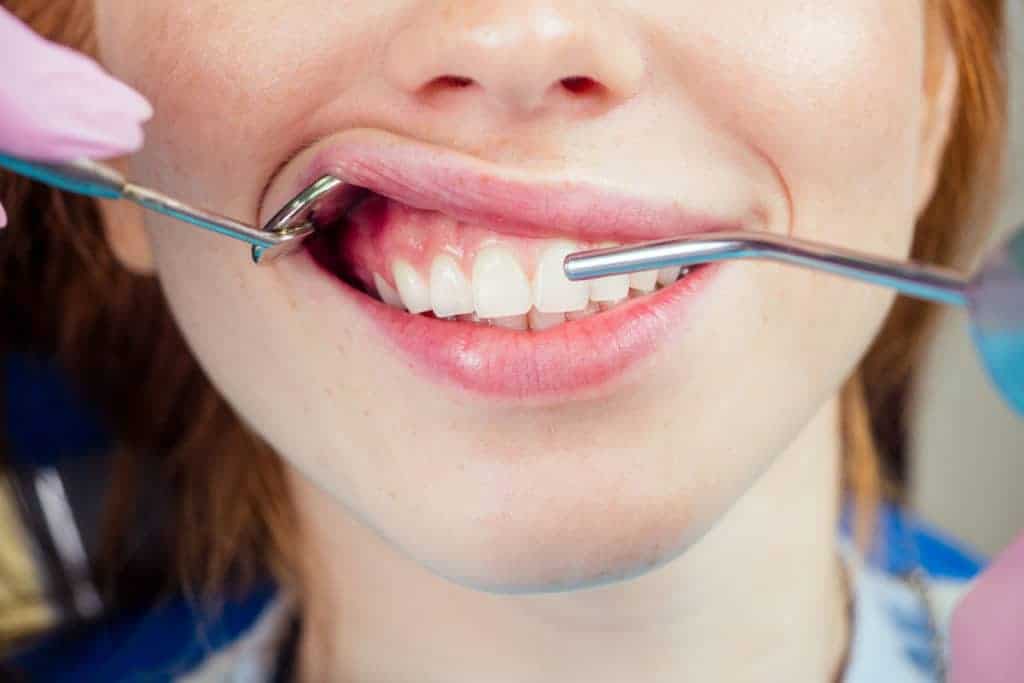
(282, 235)
(932, 283)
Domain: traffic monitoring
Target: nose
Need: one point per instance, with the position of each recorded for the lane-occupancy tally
(524, 55)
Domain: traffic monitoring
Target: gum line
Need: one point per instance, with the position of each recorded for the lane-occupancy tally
(425, 262)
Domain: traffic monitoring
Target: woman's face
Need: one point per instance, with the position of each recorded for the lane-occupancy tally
(581, 448)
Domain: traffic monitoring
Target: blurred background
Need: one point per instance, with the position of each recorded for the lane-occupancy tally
(967, 448)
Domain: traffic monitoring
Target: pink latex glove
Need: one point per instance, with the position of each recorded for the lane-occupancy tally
(987, 632)
(57, 104)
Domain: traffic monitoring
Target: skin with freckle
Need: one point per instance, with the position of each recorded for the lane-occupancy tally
(803, 117)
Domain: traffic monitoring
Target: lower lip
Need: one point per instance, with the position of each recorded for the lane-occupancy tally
(573, 359)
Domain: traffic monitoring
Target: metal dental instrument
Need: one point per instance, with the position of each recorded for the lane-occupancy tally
(925, 282)
(993, 296)
(282, 235)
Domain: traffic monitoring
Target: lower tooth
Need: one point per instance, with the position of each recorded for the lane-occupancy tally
(544, 321)
(515, 322)
(590, 310)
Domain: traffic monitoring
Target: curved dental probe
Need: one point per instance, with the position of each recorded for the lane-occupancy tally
(993, 295)
(932, 283)
(283, 234)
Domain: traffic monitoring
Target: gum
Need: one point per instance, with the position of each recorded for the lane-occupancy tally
(381, 231)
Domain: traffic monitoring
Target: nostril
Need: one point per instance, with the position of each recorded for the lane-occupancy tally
(581, 85)
(449, 81)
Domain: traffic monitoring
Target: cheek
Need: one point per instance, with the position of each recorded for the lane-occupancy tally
(846, 139)
(222, 76)
(829, 93)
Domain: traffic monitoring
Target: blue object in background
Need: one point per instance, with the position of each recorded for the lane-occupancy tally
(996, 300)
(45, 418)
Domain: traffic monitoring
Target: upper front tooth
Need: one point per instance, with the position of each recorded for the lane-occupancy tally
(411, 287)
(450, 291)
(646, 281)
(500, 288)
(614, 288)
(553, 292)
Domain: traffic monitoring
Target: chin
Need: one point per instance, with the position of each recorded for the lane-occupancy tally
(554, 546)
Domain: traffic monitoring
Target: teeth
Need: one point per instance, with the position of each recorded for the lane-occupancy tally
(499, 292)
(450, 291)
(545, 321)
(515, 322)
(552, 291)
(386, 292)
(667, 276)
(646, 281)
(411, 287)
(610, 289)
(500, 288)
(590, 310)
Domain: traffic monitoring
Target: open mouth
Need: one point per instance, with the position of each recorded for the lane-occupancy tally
(458, 263)
(427, 263)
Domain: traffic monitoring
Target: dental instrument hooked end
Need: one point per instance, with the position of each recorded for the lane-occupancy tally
(282, 235)
(294, 222)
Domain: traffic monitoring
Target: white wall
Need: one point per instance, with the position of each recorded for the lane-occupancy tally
(968, 453)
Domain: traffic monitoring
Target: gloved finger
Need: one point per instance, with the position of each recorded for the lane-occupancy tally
(57, 104)
(987, 631)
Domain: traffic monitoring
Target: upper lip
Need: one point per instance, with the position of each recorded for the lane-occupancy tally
(505, 200)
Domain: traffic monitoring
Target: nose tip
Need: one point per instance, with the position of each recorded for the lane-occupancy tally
(525, 55)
